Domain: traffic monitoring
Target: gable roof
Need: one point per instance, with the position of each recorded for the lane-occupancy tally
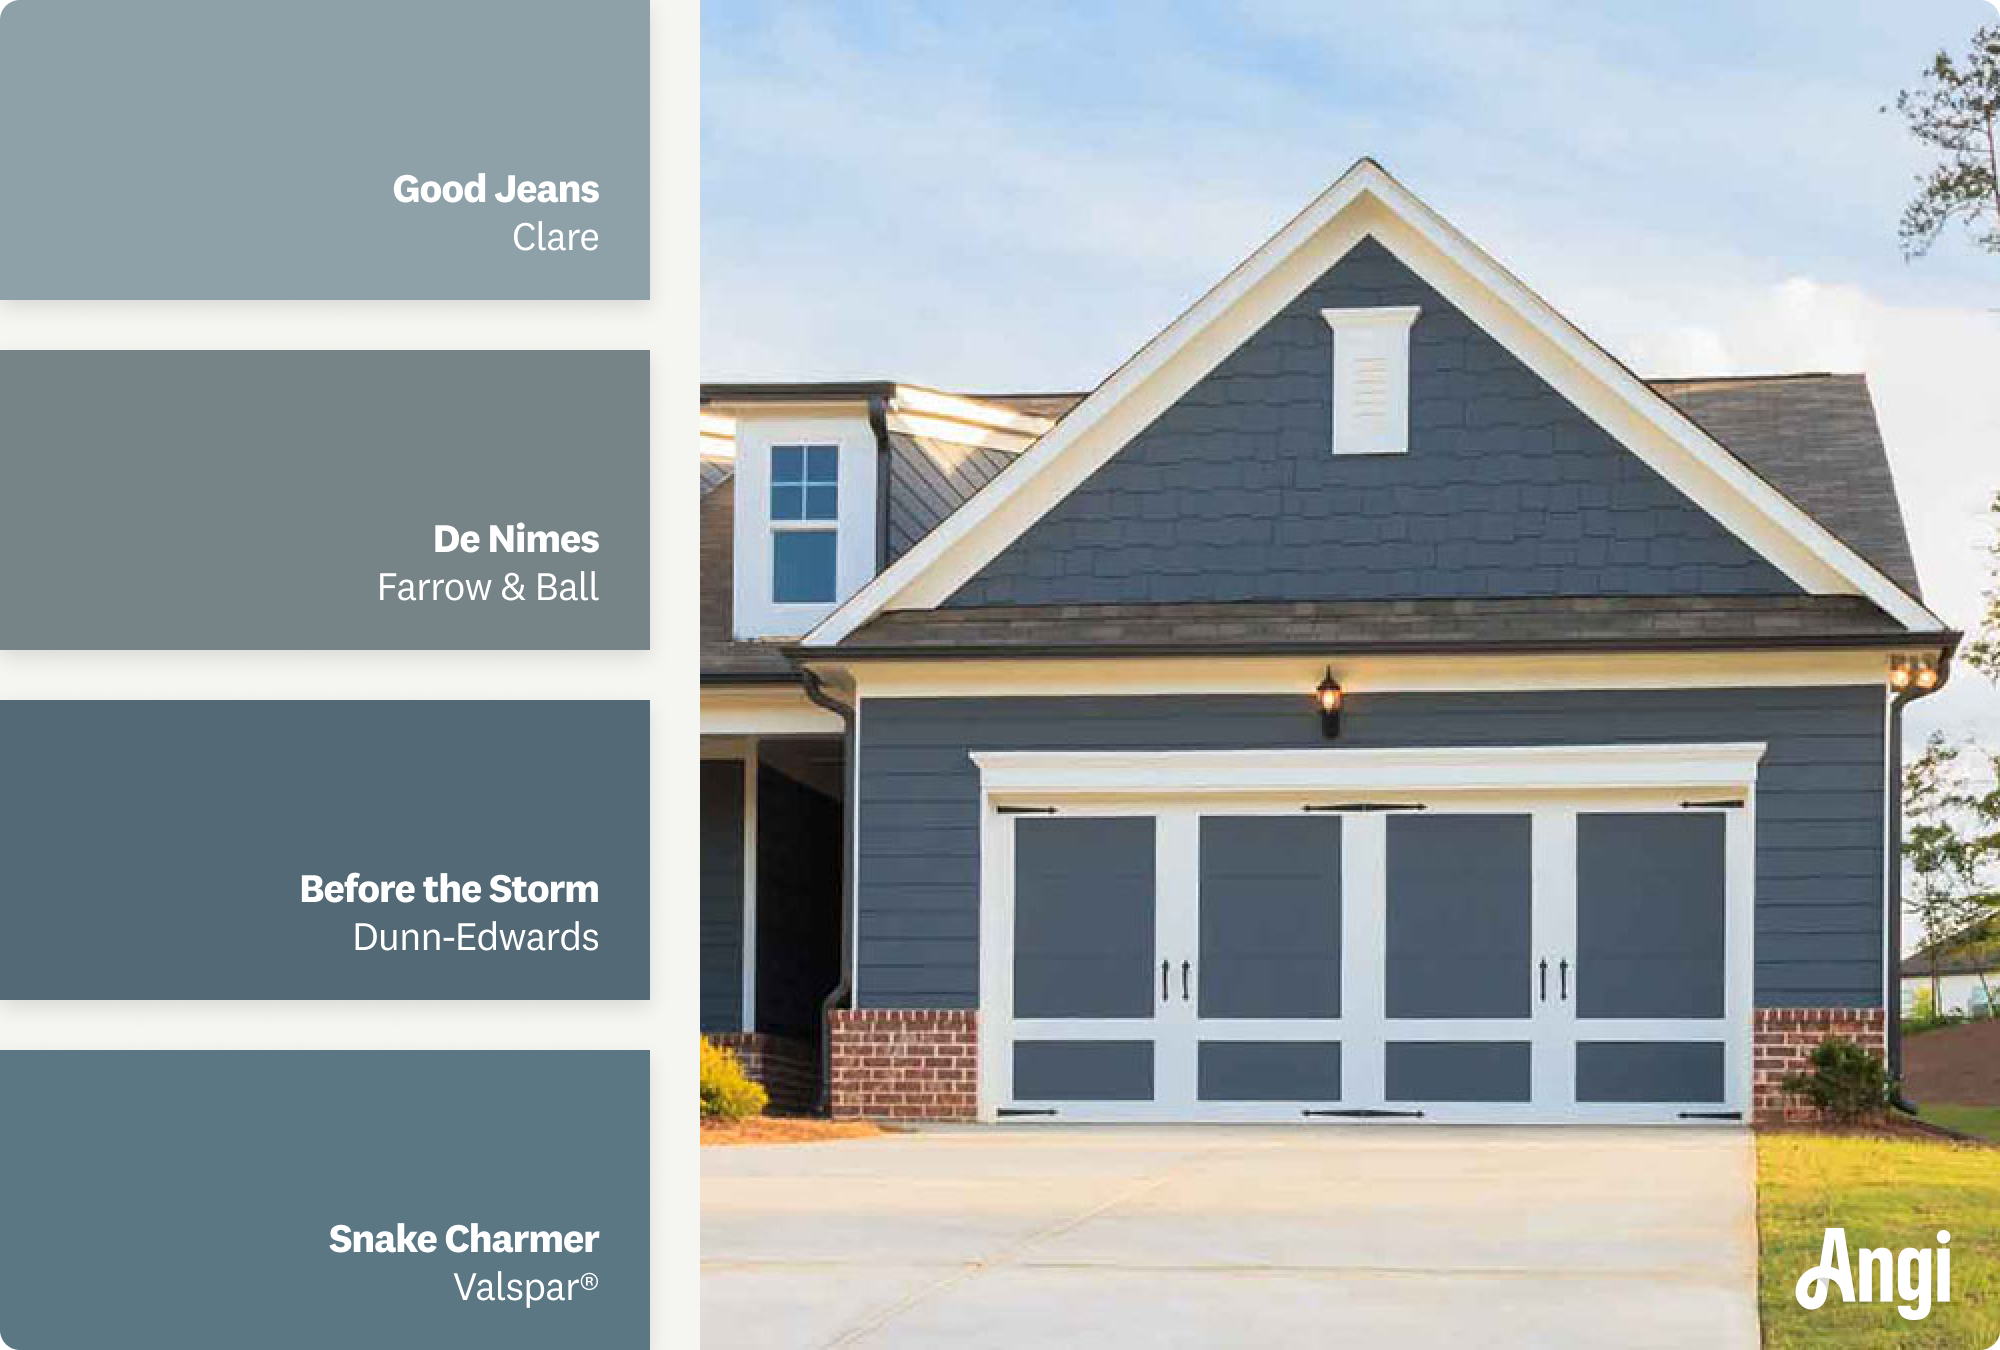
(1366, 202)
(1812, 435)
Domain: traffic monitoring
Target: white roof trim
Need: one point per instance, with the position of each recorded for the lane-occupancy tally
(1365, 202)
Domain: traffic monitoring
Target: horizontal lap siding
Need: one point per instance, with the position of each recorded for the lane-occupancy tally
(1820, 807)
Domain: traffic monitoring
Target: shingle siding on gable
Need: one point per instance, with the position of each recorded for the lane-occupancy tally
(1234, 493)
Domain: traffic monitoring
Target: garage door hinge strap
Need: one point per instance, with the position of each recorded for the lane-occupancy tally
(1364, 1113)
(1725, 805)
(1027, 810)
(1711, 1115)
(1025, 1111)
(1364, 806)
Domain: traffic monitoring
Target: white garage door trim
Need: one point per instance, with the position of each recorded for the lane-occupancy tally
(1552, 784)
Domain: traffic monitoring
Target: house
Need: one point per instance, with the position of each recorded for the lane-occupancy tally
(1960, 975)
(1372, 701)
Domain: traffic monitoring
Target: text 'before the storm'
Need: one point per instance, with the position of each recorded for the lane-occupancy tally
(466, 936)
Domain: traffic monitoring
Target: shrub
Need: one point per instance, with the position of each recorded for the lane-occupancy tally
(727, 1093)
(1846, 1082)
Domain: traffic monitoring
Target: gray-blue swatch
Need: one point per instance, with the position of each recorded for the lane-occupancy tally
(154, 849)
(186, 1198)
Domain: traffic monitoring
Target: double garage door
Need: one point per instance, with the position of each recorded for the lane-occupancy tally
(1481, 959)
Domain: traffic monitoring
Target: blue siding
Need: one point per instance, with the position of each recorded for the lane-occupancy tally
(1234, 492)
(1820, 807)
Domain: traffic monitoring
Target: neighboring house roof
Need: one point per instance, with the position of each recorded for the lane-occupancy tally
(1973, 951)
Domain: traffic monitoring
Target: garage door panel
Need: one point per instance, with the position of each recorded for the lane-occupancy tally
(1651, 914)
(1270, 916)
(1082, 1071)
(1084, 917)
(1460, 916)
(1647, 986)
(1650, 1071)
(1459, 1071)
(1269, 1071)
(1270, 987)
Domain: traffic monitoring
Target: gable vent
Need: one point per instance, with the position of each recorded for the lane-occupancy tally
(1371, 379)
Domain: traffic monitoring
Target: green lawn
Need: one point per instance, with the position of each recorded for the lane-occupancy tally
(1983, 1121)
(1885, 1194)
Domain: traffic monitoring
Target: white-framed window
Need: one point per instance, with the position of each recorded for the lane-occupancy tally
(805, 524)
(1371, 379)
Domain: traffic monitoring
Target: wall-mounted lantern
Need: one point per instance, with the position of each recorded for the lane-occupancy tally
(1330, 699)
(1912, 672)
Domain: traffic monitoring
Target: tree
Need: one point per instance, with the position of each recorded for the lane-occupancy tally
(1954, 111)
(1982, 651)
(1951, 845)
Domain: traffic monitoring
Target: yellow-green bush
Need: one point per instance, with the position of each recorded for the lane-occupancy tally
(727, 1093)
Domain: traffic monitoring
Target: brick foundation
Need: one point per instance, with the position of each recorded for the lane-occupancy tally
(906, 1063)
(1783, 1041)
(788, 1068)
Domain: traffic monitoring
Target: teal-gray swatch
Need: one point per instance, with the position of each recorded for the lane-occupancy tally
(216, 500)
(244, 150)
(185, 1198)
(154, 849)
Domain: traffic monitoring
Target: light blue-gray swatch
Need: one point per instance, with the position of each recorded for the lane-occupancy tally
(245, 150)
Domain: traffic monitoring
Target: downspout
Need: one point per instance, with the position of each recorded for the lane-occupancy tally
(845, 712)
(1892, 991)
(878, 422)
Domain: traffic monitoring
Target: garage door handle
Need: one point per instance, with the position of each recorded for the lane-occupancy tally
(1186, 966)
(1545, 979)
(1165, 966)
(1563, 973)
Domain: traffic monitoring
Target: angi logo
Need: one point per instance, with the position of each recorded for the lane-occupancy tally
(1911, 1268)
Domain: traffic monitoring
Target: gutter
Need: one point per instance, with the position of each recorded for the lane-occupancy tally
(843, 990)
(1892, 983)
(878, 422)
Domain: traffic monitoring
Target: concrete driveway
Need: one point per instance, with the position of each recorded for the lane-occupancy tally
(1016, 1237)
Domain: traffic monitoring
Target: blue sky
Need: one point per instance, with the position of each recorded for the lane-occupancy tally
(1017, 196)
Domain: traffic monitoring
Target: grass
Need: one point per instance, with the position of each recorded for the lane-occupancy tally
(1983, 1121)
(1891, 1193)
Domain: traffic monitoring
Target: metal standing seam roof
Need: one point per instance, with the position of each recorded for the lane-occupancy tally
(1814, 437)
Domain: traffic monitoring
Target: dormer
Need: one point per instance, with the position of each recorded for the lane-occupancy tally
(832, 482)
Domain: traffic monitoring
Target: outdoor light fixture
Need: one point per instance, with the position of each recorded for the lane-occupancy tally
(1329, 705)
(1912, 672)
